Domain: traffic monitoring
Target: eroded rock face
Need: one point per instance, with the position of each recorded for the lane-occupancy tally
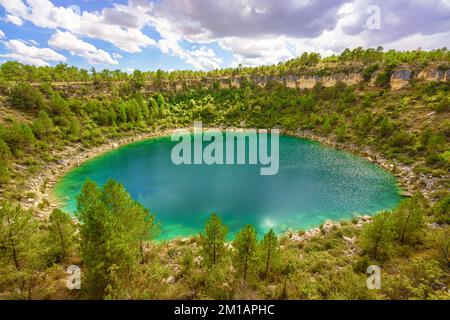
(400, 78)
(302, 79)
(434, 74)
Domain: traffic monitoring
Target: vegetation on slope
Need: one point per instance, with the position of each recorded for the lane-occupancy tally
(410, 244)
(118, 262)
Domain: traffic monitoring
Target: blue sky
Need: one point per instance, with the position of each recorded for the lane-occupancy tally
(196, 34)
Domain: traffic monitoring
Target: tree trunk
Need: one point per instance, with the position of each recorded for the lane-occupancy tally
(62, 255)
(141, 247)
(267, 262)
(402, 237)
(245, 267)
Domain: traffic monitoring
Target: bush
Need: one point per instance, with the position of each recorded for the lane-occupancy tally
(441, 210)
(4, 174)
(26, 97)
(402, 139)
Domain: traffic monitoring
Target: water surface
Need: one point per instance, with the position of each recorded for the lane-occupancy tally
(314, 183)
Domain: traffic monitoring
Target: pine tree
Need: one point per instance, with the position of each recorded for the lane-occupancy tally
(440, 240)
(213, 240)
(21, 250)
(98, 246)
(61, 235)
(246, 245)
(160, 100)
(20, 137)
(409, 219)
(26, 97)
(113, 228)
(43, 125)
(122, 113)
(326, 127)
(378, 236)
(270, 251)
(153, 106)
(17, 231)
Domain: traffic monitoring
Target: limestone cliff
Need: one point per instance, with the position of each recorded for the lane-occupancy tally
(400, 77)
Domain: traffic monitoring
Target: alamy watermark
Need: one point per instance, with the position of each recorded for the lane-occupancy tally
(233, 143)
(373, 21)
(73, 281)
(374, 279)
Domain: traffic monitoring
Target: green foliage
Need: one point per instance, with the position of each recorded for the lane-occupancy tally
(61, 236)
(113, 228)
(245, 257)
(4, 174)
(19, 137)
(5, 152)
(326, 126)
(58, 106)
(43, 125)
(341, 133)
(363, 123)
(443, 104)
(386, 127)
(117, 259)
(213, 240)
(21, 255)
(402, 139)
(307, 103)
(160, 100)
(269, 252)
(24, 96)
(384, 78)
(409, 221)
(440, 241)
(441, 210)
(368, 72)
(378, 236)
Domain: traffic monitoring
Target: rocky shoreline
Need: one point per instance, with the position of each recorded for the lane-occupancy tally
(406, 178)
(74, 156)
(70, 158)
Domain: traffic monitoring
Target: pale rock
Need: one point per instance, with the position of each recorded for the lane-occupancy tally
(170, 280)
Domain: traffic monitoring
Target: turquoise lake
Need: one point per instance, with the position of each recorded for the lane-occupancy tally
(314, 183)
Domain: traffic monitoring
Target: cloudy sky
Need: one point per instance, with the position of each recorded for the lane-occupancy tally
(208, 34)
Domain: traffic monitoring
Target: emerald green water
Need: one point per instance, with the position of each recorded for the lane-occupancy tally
(314, 183)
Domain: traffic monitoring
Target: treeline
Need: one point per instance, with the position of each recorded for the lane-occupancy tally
(112, 244)
(11, 71)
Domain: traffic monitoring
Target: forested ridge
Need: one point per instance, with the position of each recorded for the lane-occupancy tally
(367, 61)
(112, 239)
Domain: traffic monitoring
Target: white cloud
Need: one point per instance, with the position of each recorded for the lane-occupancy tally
(119, 25)
(255, 32)
(253, 52)
(31, 54)
(99, 57)
(68, 41)
(44, 14)
(266, 32)
(2, 34)
(14, 19)
(203, 58)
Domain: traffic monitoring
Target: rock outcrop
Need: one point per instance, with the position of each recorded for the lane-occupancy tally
(328, 76)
